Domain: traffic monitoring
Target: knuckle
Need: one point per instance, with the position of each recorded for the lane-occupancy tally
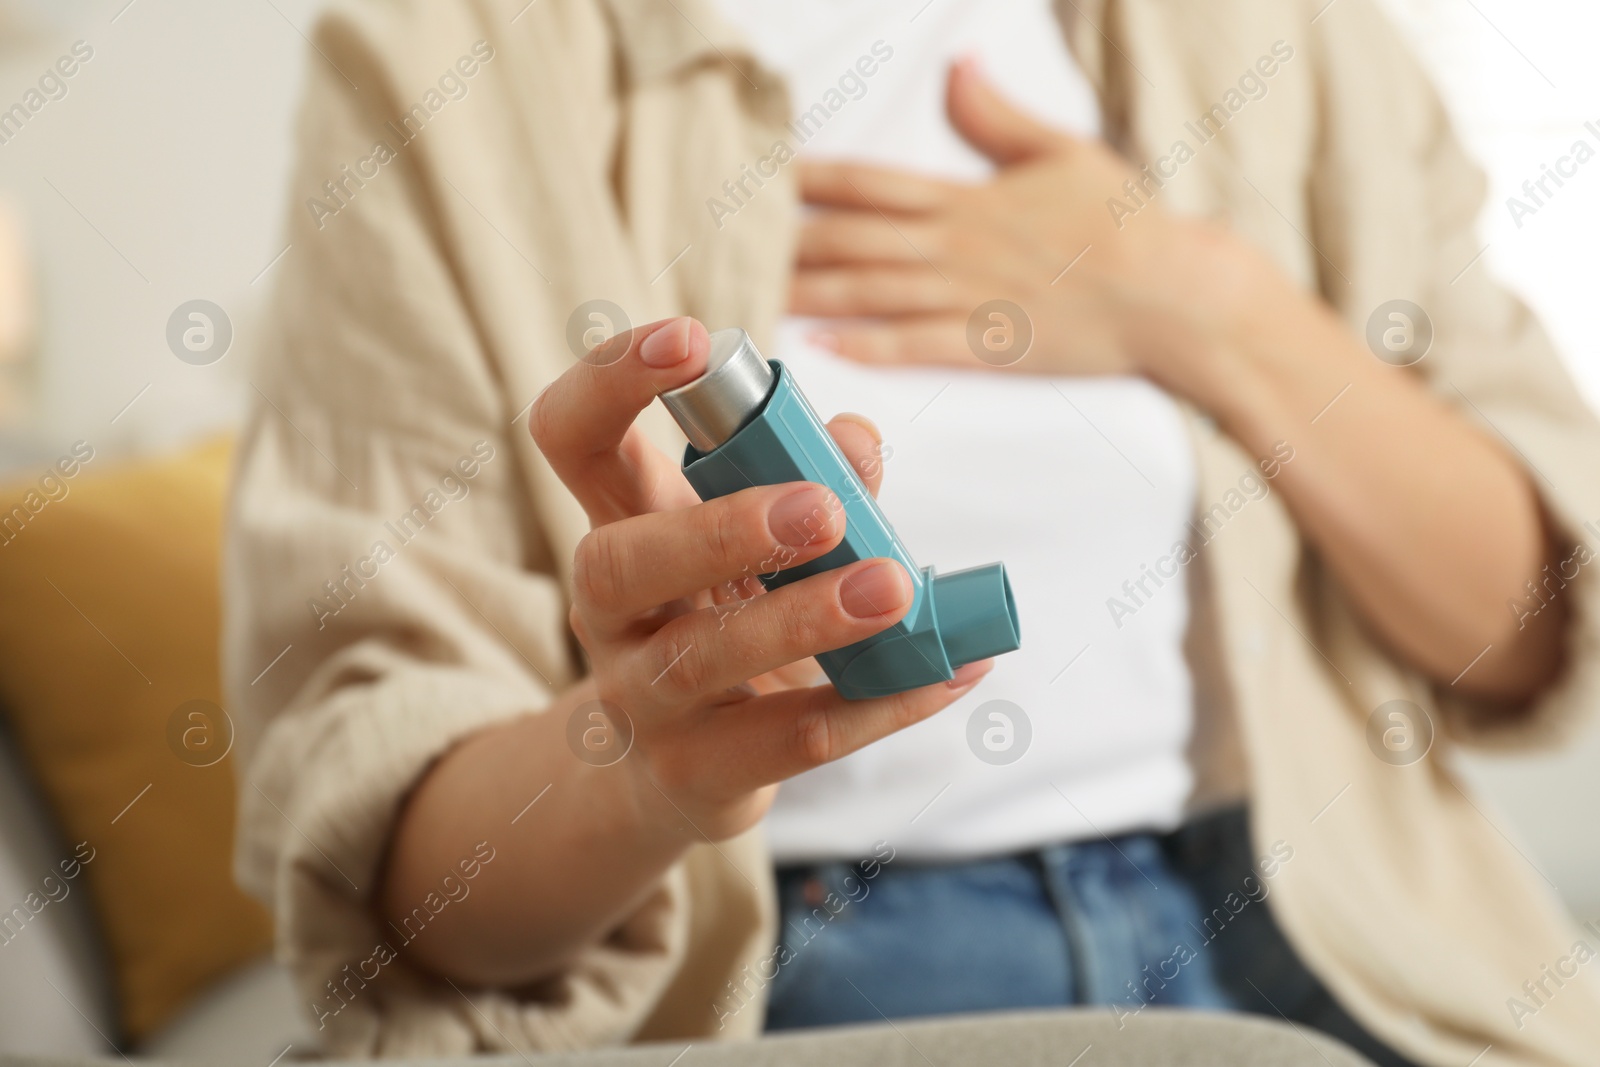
(818, 290)
(542, 422)
(927, 294)
(965, 243)
(610, 350)
(805, 623)
(684, 669)
(801, 291)
(670, 772)
(723, 529)
(906, 709)
(932, 241)
(816, 741)
(597, 568)
(834, 246)
(864, 246)
(879, 288)
(825, 241)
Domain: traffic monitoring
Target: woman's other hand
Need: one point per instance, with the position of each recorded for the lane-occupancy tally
(902, 260)
(1383, 486)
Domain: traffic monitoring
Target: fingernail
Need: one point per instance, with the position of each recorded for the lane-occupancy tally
(668, 346)
(804, 517)
(822, 339)
(863, 422)
(874, 590)
(968, 675)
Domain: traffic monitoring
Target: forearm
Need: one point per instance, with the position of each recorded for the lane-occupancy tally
(567, 869)
(1427, 520)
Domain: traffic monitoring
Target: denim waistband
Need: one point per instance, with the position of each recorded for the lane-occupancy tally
(1127, 922)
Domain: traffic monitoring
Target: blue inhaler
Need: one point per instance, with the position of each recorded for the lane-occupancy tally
(748, 424)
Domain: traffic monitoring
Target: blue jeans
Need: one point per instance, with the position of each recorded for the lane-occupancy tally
(1175, 920)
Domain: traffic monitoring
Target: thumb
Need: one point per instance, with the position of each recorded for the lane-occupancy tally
(991, 123)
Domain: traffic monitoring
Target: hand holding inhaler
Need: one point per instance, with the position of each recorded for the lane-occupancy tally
(748, 424)
(720, 705)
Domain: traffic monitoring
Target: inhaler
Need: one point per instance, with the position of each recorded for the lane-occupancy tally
(748, 424)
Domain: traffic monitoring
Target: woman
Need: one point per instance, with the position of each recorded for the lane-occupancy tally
(1256, 564)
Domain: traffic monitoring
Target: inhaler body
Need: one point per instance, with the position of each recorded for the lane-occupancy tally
(748, 424)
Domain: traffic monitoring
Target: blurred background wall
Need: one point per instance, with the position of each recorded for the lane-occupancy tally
(157, 180)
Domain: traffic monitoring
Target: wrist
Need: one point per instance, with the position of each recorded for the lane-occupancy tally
(1191, 319)
(621, 804)
(1245, 339)
(654, 815)
(1282, 363)
(1217, 279)
(1246, 402)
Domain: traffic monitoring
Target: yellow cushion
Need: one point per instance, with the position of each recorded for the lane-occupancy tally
(109, 618)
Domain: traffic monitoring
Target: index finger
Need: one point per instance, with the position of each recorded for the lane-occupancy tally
(858, 438)
(584, 422)
(868, 188)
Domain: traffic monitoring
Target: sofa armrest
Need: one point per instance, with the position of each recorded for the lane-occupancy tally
(55, 989)
(1155, 1038)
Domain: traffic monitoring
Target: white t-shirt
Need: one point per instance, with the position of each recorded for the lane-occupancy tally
(1077, 484)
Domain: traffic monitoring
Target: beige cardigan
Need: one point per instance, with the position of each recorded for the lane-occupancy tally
(421, 309)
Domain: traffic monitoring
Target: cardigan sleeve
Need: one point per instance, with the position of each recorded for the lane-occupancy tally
(392, 584)
(1397, 197)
